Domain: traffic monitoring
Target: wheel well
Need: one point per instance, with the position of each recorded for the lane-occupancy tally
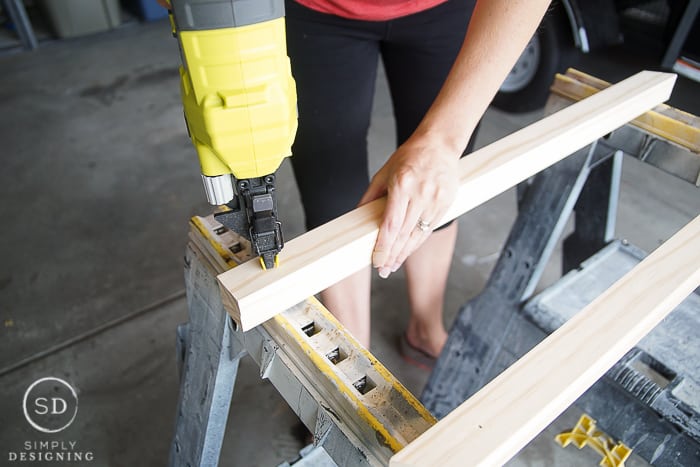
(593, 23)
(578, 30)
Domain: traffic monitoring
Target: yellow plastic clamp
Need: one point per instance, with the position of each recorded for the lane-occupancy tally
(585, 434)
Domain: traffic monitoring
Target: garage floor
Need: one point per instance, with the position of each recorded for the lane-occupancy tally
(98, 183)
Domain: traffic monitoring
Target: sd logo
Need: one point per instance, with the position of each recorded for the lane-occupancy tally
(50, 404)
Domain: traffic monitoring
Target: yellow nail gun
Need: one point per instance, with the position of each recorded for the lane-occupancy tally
(239, 99)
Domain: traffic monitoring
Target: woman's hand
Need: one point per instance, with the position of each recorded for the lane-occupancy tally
(420, 180)
(164, 3)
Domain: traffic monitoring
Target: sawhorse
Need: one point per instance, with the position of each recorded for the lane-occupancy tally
(358, 412)
(496, 328)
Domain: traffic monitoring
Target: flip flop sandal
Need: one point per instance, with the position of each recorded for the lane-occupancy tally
(414, 355)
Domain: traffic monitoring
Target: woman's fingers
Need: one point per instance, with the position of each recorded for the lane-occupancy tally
(420, 183)
(392, 246)
(413, 207)
(424, 227)
(390, 230)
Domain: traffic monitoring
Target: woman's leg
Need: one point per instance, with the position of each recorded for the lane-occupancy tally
(418, 54)
(334, 62)
(426, 277)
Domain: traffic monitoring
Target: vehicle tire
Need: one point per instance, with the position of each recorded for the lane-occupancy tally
(551, 50)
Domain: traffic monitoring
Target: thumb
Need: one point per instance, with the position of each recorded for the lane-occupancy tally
(376, 189)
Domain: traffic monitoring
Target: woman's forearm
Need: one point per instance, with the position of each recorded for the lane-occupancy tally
(498, 32)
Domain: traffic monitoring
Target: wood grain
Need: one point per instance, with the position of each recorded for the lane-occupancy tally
(333, 251)
(494, 424)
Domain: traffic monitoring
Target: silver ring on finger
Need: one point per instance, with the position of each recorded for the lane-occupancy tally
(423, 226)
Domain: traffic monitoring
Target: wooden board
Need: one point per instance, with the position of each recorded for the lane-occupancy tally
(494, 424)
(669, 123)
(333, 251)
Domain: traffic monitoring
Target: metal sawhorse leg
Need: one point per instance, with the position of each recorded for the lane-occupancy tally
(209, 356)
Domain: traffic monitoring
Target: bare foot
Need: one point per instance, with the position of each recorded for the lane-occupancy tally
(429, 341)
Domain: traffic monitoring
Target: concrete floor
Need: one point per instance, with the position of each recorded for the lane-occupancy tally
(99, 181)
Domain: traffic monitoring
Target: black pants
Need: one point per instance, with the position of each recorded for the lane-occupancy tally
(334, 62)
